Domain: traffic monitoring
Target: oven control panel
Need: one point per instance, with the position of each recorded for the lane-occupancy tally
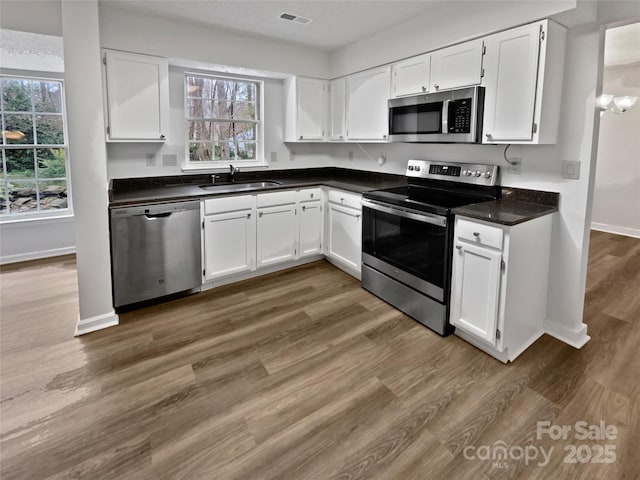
(473, 173)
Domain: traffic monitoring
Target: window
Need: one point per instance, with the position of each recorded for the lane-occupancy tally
(34, 147)
(223, 120)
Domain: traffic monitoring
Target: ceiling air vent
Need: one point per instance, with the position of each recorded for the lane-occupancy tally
(295, 18)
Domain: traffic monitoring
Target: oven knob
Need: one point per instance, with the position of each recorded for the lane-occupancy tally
(478, 173)
(488, 174)
(410, 167)
(417, 168)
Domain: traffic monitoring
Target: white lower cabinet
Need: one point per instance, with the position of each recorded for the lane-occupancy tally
(310, 228)
(499, 284)
(229, 241)
(277, 232)
(248, 233)
(344, 231)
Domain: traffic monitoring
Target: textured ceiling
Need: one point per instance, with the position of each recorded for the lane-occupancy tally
(335, 23)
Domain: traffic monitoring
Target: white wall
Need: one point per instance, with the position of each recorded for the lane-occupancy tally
(446, 24)
(22, 53)
(616, 201)
(88, 163)
(129, 160)
(135, 32)
(39, 16)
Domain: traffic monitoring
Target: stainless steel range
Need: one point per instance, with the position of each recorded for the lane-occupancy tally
(407, 236)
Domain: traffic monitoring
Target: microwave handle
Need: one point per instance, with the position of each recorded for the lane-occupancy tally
(445, 116)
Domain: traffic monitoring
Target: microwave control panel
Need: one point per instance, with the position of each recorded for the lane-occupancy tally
(460, 116)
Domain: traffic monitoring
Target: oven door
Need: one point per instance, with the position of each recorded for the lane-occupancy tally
(407, 245)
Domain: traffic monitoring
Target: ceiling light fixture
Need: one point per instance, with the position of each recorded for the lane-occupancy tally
(615, 104)
(290, 17)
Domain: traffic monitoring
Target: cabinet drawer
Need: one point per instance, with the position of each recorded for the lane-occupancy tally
(228, 204)
(276, 198)
(344, 198)
(479, 233)
(309, 194)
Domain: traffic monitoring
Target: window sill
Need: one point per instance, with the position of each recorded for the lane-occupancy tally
(25, 219)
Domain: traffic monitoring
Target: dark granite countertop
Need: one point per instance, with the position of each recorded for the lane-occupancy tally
(516, 206)
(135, 191)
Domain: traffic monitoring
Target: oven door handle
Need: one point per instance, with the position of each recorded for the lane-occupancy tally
(417, 216)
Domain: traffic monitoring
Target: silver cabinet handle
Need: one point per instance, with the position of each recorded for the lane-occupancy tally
(488, 135)
(342, 199)
(311, 195)
(476, 234)
(436, 86)
(357, 216)
(459, 247)
(304, 208)
(300, 137)
(162, 137)
(260, 214)
(248, 215)
(424, 89)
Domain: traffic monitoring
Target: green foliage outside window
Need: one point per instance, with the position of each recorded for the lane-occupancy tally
(34, 172)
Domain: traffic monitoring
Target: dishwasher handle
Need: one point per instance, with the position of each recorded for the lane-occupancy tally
(152, 216)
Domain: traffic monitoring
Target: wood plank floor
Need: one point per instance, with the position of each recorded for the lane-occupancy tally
(303, 375)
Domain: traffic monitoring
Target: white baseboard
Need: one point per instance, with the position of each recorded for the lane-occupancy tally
(626, 231)
(23, 257)
(87, 325)
(576, 338)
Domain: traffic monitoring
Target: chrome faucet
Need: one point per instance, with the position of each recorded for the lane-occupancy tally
(232, 173)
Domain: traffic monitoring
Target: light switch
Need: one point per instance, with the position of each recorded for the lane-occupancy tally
(570, 170)
(169, 160)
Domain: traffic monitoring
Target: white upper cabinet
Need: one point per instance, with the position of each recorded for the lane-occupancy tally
(411, 76)
(136, 97)
(337, 97)
(523, 84)
(367, 110)
(305, 109)
(457, 66)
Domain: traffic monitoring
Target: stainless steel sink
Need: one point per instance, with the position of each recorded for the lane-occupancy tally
(239, 187)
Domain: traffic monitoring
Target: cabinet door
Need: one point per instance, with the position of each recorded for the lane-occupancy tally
(475, 290)
(367, 109)
(137, 96)
(229, 243)
(345, 235)
(457, 66)
(337, 93)
(310, 113)
(277, 234)
(411, 76)
(511, 72)
(310, 228)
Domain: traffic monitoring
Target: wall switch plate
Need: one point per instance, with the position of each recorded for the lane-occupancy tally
(274, 157)
(516, 166)
(169, 160)
(570, 169)
(151, 159)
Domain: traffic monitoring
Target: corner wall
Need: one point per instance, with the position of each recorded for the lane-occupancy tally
(616, 201)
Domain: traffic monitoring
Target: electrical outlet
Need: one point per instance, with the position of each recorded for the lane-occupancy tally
(350, 154)
(515, 166)
(274, 157)
(169, 160)
(570, 170)
(151, 159)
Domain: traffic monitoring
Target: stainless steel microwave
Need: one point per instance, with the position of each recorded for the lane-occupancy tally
(452, 116)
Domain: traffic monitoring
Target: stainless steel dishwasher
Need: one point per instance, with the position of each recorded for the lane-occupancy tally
(155, 251)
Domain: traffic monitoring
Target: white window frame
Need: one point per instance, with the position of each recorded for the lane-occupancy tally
(223, 165)
(38, 215)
